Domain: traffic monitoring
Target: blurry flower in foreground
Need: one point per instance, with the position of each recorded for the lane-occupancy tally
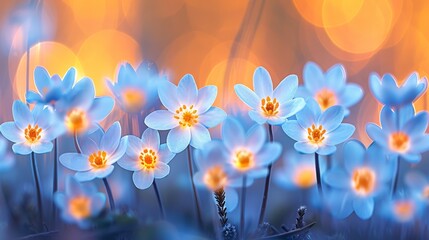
(387, 92)
(418, 185)
(402, 208)
(99, 153)
(297, 171)
(247, 153)
(50, 89)
(317, 132)
(189, 113)
(136, 90)
(268, 105)
(365, 176)
(214, 173)
(7, 159)
(79, 202)
(31, 131)
(80, 110)
(407, 139)
(146, 157)
(330, 88)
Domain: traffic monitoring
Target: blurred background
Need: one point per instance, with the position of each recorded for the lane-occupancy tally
(220, 42)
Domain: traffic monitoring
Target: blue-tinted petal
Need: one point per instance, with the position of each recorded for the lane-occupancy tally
(161, 170)
(75, 161)
(98, 202)
(69, 79)
(291, 107)
(103, 173)
(11, 132)
(326, 150)
(262, 83)
(340, 134)
(337, 178)
(167, 92)
(286, 89)
(412, 158)
(85, 176)
(213, 117)
(257, 117)
(354, 154)
(45, 118)
(187, 91)
(32, 97)
(294, 130)
(336, 77)
(134, 145)
(376, 134)
(331, 118)
(21, 114)
(388, 119)
(42, 80)
(178, 139)
(110, 140)
(42, 147)
(417, 125)
(247, 96)
(161, 120)
(21, 148)
(130, 163)
(232, 196)
(200, 135)
(165, 155)
(308, 116)
(233, 134)
(305, 147)
(313, 77)
(206, 97)
(143, 179)
(101, 107)
(255, 138)
(364, 207)
(87, 145)
(269, 153)
(151, 139)
(420, 144)
(340, 203)
(350, 95)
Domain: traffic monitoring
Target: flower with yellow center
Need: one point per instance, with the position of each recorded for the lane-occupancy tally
(98, 159)
(399, 142)
(404, 209)
(76, 121)
(187, 116)
(32, 133)
(270, 107)
(363, 181)
(147, 158)
(304, 177)
(243, 160)
(316, 135)
(326, 99)
(80, 207)
(215, 178)
(133, 99)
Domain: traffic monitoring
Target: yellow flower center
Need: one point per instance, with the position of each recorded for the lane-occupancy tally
(243, 160)
(133, 99)
(76, 121)
(80, 207)
(215, 178)
(32, 133)
(148, 159)
(316, 134)
(187, 116)
(403, 209)
(98, 159)
(270, 107)
(326, 98)
(399, 142)
(363, 181)
(304, 177)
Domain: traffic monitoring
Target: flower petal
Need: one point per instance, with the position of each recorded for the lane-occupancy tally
(350, 95)
(290, 108)
(417, 125)
(257, 117)
(85, 176)
(110, 140)
(167, 92)
(98, 202)
(313, 77)
(340, 134)
(354, 154)
(69, 79)
(262, 83)
(165, 155)
(42, 80)
(255, 138)
(247, 96)
(268, 154)
(11, 132)
(336, 77)
(294, 130)
(340, 203)
(42, 147)
(134, 145)
(364, 207)
(200, 135)
(212, 117)
(187, 91)
(376, 134)
(161, 170)
(21, 115)
(130, 163)
(21, 148)
(305, 147)
(326, 150)
(87, 145)
(151, 139)
(143, 179)
(307, 116)
(331, 118)
(420, 144)
(286, 89)
(100, 108)
(161, 120)
(178, 139)
(206, 97)
(233, 133)
(337, 178)
(75, 161)
(388, 119)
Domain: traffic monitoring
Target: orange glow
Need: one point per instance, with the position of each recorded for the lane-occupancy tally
(80, 207)
(32, 134)
(399, 142)
(326, 98)
(187, 116)
(76, 121)
(98, 159)
(133, 99)
(316, 134)
(304, 176)
(363, 181)
(425, 193)
(215, 178)
(243, 160)
(270, 107)
(404, 210)
(148, 159)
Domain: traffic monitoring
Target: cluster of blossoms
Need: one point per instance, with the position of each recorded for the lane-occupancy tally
(312, 115)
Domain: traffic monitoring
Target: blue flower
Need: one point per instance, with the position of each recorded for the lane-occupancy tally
(330, 88)
(297, 171)
(354, 187)
(7, 160)
(247, 153)
(80, 111)
(318, 132)
(31, 131)
(268, 105)
(100, 150)
(50, 89)
(146, 157)
(136, 90)
(402, 208)
(189, 113)
(79, 203)
(418, 184)
(407, 138)
(387, 92)
(214, 173)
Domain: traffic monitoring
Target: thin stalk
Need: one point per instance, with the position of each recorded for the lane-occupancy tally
(55, 180)
(27, 67)
(158, 198)
(191, 174)
(109, 194)
(396, 178)
(39, 193)
(319, 182)
(243, 206)
(76, 144)
(267, 182)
